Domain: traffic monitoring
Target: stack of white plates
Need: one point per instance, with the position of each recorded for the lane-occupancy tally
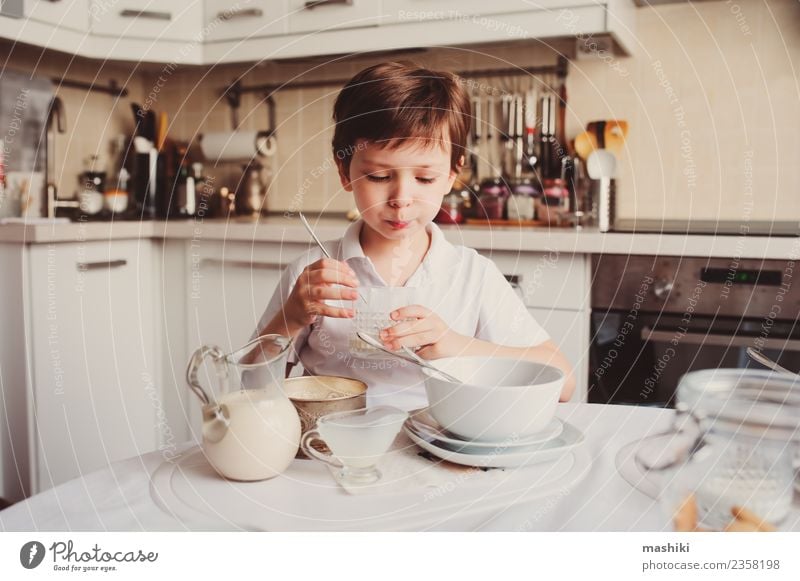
(556, 440)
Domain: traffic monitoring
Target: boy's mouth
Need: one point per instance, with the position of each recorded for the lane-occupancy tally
(397, 225)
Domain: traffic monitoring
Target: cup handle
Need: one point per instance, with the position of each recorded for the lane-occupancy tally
(311, 452)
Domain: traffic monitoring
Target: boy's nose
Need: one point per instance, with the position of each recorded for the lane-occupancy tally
(401, 197)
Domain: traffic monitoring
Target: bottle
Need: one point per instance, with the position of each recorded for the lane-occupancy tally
(116, 195)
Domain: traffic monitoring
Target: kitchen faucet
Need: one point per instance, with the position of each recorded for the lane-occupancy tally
(55, 116)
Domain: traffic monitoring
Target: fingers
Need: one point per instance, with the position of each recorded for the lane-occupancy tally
(410, 312)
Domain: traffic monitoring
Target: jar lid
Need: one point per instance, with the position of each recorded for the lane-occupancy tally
(744, 402)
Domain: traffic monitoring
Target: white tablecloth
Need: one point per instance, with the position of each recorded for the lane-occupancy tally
(119, 498)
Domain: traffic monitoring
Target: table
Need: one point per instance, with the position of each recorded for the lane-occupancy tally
(118, 497)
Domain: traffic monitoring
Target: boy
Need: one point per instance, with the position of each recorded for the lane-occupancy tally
(399, 144)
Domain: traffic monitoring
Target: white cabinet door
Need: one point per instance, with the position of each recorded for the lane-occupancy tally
(165, 20)
(317, 15)
(254, 19)
(420, 10)
(547, 279)
(230, 286)
(72, 14)
(570, 331)
(92, 345)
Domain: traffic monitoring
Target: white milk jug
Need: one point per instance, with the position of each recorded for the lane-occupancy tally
(252, 431)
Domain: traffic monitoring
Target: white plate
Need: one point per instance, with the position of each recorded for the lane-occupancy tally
(426, 426)
(570, 438)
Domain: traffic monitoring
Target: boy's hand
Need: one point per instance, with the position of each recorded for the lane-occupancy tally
(427, 331)
(325, 279)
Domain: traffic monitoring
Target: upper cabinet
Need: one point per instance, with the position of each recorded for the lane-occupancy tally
(321, 15)
(132, 19)
(244, 21)
(208, 32)
(67, 14)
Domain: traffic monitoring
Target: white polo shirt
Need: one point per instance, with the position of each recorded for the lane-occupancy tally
(464, 288)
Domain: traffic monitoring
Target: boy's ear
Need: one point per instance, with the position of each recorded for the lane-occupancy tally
(344, 176)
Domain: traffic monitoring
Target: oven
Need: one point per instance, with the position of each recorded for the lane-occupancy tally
(655, 318)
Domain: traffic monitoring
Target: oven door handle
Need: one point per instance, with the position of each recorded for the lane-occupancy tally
(649, 334)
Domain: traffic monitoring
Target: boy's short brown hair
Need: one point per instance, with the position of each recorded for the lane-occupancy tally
(397, 101)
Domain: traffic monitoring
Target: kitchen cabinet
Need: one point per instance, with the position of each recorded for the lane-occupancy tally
(556, 289)
(92, 350)
(322, 15)
(253, 19)
(63, 14)
(173, 20)
(214, 32)
(410, 10)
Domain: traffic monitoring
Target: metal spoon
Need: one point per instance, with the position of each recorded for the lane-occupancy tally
(407, 355)
(767, 362)
(320, 244)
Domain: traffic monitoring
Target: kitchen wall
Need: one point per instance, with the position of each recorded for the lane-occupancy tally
(92, 119)
(711, 96)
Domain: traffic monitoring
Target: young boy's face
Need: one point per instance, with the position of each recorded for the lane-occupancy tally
(399, 190)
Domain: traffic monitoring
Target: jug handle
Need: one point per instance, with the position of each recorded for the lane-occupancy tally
(194, 365)
(305, 445)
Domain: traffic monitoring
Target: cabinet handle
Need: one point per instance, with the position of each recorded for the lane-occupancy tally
(151, 14)
(713, 340)
(226, 15)
(311, 4)
(240, 263)
(514, 280)
(107, 264)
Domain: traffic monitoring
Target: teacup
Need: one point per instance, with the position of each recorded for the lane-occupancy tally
(317, 395)
(499, 399)
(357, 439)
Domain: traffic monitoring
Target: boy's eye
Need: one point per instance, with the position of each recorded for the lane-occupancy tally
(426, 180)
(374, 178)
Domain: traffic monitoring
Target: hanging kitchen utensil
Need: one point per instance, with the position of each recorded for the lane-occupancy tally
(614, 135)
(475, 153)
(585, 144)
(519, 127)
(531, 98)
(267, 141)
(491, 146)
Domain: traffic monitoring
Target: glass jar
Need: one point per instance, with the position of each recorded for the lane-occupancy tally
(736, 431)
(522, 202)
(452, 210)
(492, 199)
(554, 201)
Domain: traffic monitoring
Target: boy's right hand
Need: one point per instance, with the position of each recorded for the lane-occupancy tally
(325, 279)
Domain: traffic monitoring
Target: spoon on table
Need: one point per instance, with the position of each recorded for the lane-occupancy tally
(320, 244)
(406, 355)
(767, 362)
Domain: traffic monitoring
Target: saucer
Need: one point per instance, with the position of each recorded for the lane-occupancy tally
(569, 439)
(426, 426)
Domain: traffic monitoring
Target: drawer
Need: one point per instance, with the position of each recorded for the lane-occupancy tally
(316, 15)
(546, 279)
(254, 19)
(174, 20)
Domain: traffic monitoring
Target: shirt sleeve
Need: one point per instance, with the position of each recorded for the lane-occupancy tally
(503, 318)
(275, 305)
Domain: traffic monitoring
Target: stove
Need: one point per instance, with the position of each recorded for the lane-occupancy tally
(720, 227)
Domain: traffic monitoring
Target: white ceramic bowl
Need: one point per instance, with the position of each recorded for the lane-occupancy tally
(499, 399)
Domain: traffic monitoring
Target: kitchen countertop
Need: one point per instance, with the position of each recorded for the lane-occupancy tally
(501, 238)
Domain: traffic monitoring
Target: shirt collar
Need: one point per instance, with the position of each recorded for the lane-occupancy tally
(440, 255)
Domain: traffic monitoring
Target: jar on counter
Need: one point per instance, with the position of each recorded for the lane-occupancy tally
(452, 210)
(522, 202)
(492, 199)
(554, 201)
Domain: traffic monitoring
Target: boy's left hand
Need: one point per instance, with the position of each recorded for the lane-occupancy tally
(427, 331)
